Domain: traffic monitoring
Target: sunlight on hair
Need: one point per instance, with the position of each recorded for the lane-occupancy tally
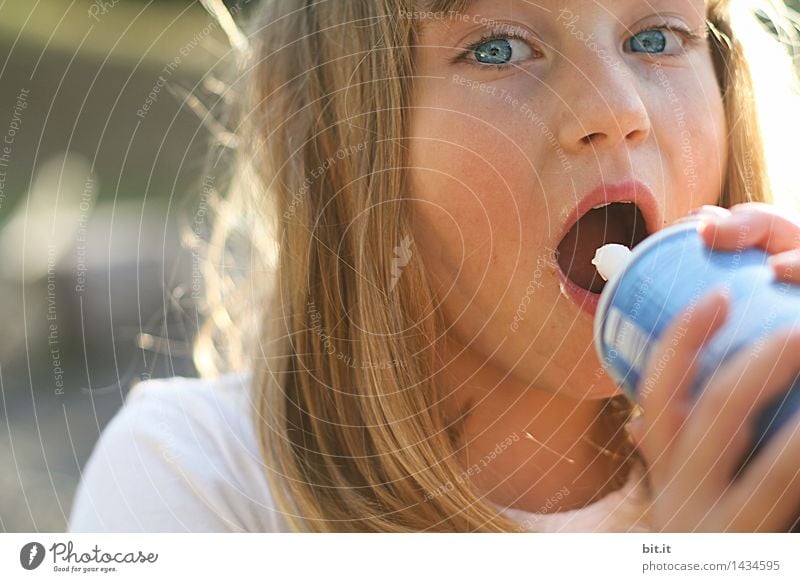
(776, 95)
(218, 10)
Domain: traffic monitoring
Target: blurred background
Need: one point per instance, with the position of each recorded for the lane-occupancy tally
(101, 154)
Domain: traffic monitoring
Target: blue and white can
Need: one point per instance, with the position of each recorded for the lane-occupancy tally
(670, 271)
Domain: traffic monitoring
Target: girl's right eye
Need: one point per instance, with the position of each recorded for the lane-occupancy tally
(496, 51)
(500, 51)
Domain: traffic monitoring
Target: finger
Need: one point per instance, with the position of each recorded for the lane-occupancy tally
(769, 489)
(787, 265)
(671, 370)
(705, 211)
(726, 409)
(751, 224)
(711, 211)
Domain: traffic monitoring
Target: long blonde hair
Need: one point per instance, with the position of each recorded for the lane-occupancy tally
(307, 232)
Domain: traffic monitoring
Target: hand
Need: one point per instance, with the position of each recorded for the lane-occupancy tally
(755, 224)
(693, 446)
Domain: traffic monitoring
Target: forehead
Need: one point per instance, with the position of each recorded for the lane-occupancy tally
(444, 5)
(458, 7)
(434, 17)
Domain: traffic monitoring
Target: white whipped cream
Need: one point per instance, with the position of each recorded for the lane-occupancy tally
(610, 259)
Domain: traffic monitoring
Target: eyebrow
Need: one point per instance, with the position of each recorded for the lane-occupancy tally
(451, 7)
(454, 8)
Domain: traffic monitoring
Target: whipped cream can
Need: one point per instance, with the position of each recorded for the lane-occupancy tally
(670, 271)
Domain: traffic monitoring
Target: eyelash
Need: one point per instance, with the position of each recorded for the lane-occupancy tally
(691, 37)
(469, 49)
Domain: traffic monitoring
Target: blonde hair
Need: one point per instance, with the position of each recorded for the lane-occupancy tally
(298, 271)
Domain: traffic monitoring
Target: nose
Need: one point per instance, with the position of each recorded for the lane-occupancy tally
(601, 107)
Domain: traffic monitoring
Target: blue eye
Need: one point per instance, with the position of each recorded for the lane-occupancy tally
(494, 52)
(649, 41)
(662, 40)
(498, 51)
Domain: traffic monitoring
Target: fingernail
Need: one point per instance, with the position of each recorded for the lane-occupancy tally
(785, 258)
(784, 264)
(710, 210)
(714, 296)
(735, 219)
(707, 218)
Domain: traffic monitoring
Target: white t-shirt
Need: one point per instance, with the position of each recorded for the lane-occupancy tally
(182, 455)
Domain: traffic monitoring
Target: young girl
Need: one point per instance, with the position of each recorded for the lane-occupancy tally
(405, 341)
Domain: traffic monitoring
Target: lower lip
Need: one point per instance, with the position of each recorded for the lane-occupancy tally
(586, 300)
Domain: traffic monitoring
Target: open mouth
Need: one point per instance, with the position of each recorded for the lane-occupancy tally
(615, 222)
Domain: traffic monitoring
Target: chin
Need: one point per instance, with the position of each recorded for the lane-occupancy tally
(594, 384)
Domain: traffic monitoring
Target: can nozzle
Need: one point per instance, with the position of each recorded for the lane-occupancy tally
(610, 259)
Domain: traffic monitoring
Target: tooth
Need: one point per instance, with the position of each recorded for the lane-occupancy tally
(607, 203)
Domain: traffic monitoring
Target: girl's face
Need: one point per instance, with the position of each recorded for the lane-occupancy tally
(553, 109)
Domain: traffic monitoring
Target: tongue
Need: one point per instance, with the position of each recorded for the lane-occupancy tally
(577, 249)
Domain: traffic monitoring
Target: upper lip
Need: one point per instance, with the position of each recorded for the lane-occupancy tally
(627, 191)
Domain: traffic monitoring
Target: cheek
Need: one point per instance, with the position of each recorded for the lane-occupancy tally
(471, 193)
(697, 130)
